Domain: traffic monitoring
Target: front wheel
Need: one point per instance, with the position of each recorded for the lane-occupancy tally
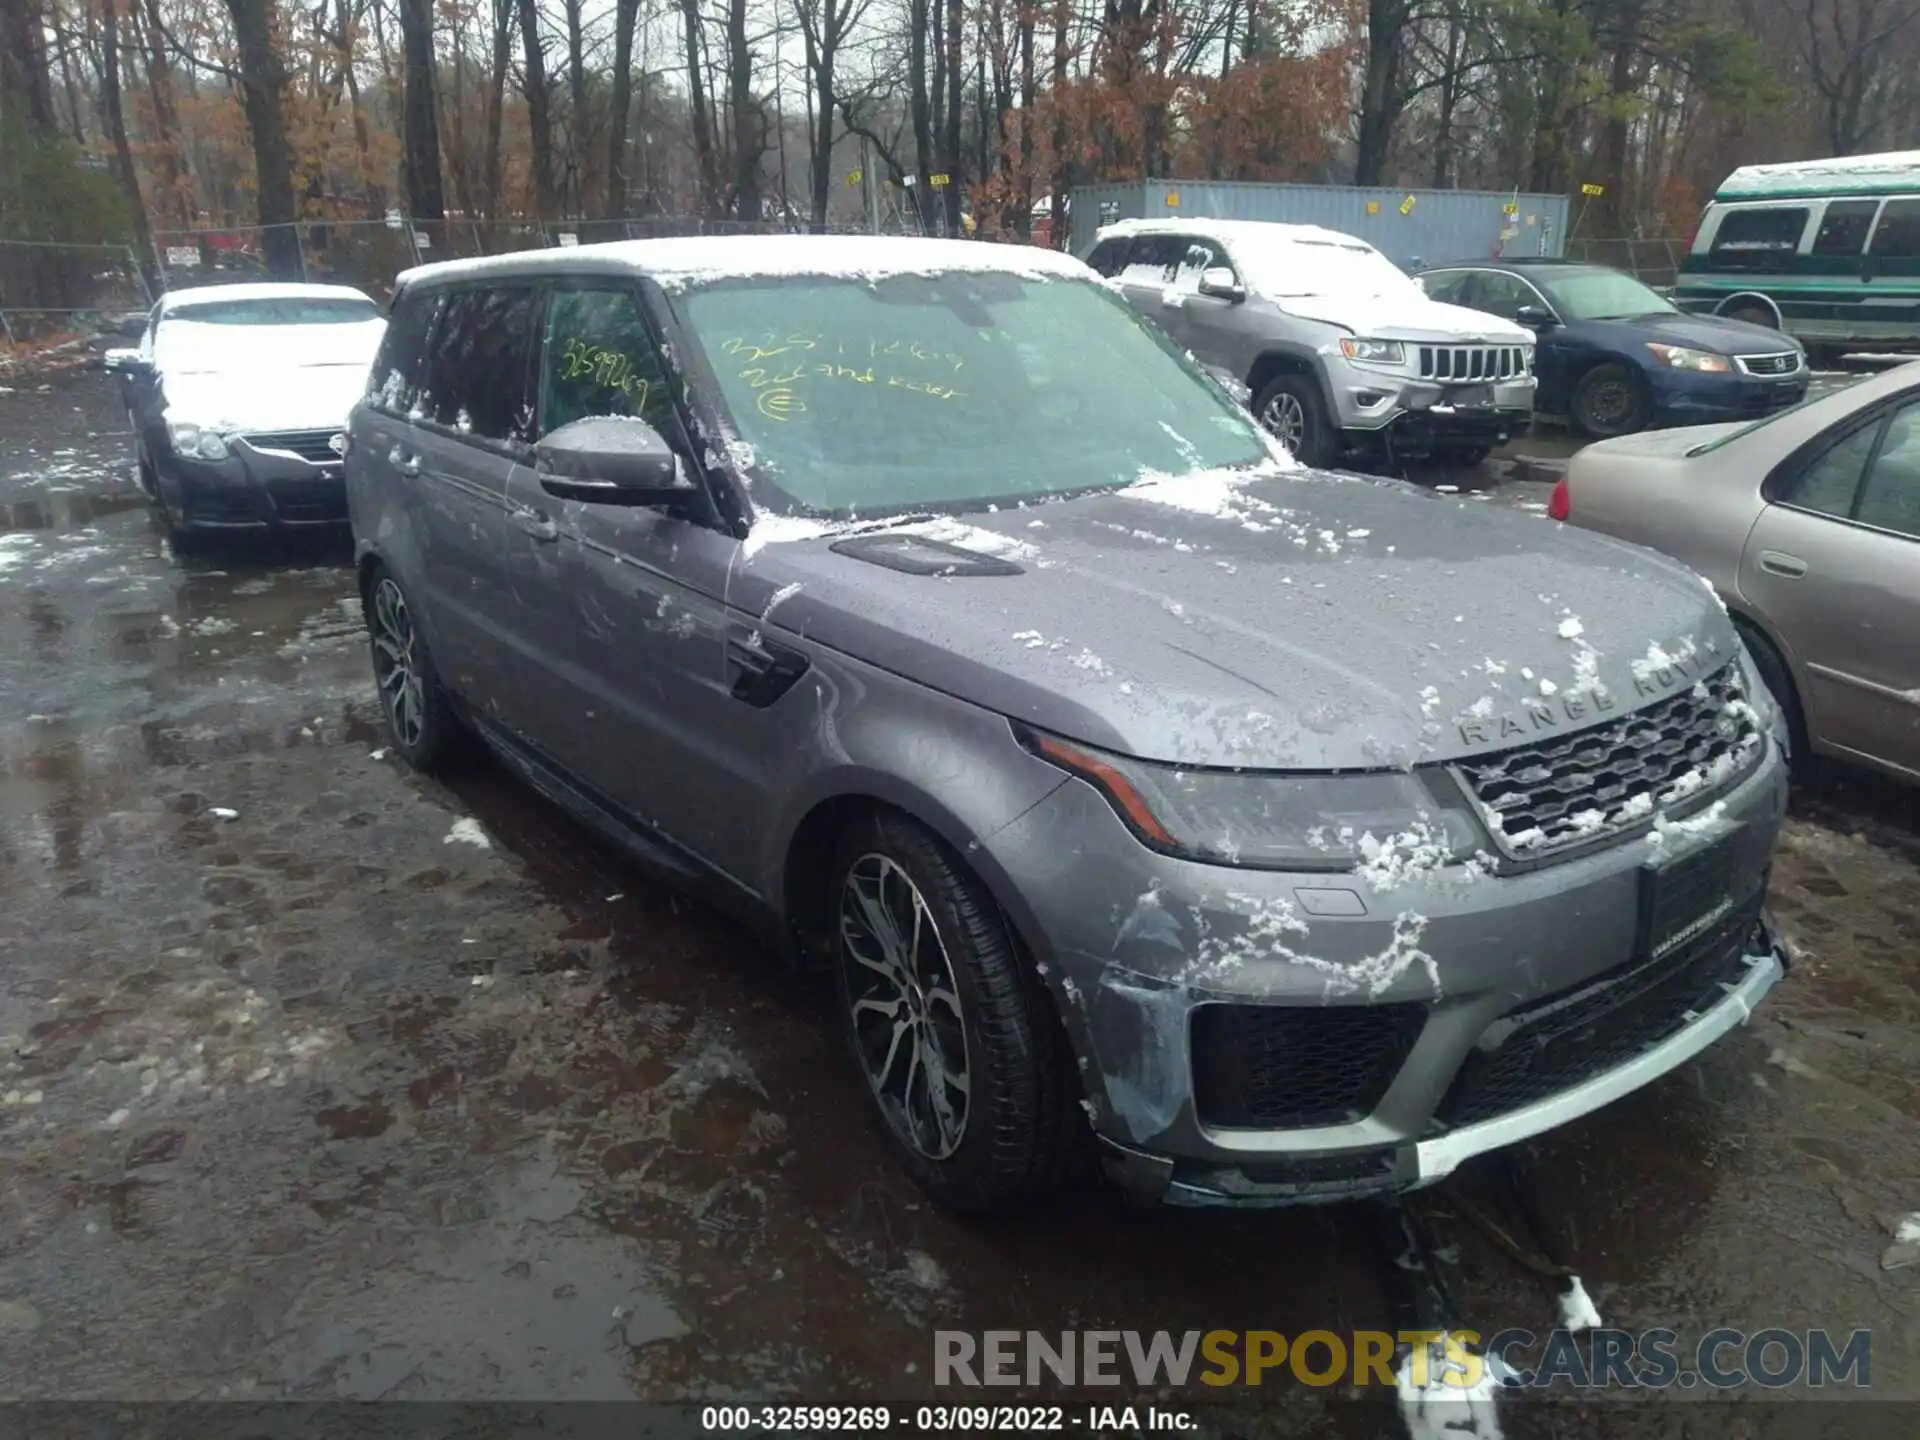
(950, 1029)
(1290, 409)
(1609, 401)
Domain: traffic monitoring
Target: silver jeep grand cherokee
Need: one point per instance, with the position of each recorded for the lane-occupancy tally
(1337, 347)
(1290, 835)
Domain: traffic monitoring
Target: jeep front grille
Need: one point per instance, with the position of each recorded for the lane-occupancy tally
(1472, 362)
(1582, 787)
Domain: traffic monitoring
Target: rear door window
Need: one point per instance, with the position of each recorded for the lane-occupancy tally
(1153, 258)
(1109, 257)
(478, 371)
(394, 382)
(1897, 236)
(601, 359)
(1761, 237)
(1828, 486)
(1843, 228)
(1890, 500)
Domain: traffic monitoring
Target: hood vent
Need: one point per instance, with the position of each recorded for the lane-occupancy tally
(918, 555)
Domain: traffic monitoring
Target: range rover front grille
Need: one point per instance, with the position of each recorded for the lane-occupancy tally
(1472, 362)
(1577, 788)
(1787, 362)
(313, 446)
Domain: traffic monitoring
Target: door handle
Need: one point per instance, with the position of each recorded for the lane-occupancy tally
(407, 465)
(540, 527)
(1792, 567)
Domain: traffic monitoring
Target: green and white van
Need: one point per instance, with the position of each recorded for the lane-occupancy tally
(1826, 250)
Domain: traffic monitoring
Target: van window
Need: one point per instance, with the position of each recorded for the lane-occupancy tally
(1761, 238)
(600, 359)
(394, 382)
(1843, 229)
(1898, 234)
(476, 379)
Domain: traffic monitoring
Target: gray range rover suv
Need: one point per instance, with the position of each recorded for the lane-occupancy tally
(1282, 835)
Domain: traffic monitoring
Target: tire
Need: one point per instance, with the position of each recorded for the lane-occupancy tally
(970, 1000)
(1825, 357)
(419, 715)
(149, 477)
(1469, 457)
(1779, 682)
(1608, 401)
(1290, 409)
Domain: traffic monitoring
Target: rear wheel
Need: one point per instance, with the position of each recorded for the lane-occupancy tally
(1609, 401)
(1291, 410)
(419, 715)
(959, 1047)
(1753, 313)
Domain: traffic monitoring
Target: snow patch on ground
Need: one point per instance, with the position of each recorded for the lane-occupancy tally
(467, 831)
(1436, 1402)
(1577, 1310)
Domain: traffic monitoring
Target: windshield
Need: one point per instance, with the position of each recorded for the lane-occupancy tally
(302, 310)
(1602, 295)
(952, 392)
(1313, 267)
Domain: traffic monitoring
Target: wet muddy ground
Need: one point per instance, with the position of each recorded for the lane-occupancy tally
(346, 1096)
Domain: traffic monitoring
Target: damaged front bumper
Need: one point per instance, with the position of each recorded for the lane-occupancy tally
(1267, 1038)
(1408, 1165)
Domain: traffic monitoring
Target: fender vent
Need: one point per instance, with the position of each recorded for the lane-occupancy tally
(918, 555)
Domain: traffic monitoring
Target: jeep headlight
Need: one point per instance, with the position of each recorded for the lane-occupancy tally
(1681, 358)
(198, 442)
(1380, 352)
(1270, 820)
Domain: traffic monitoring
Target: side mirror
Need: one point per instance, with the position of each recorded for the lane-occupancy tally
(1534, 318)
(126, 362)
(1221, 283)
(611, 460)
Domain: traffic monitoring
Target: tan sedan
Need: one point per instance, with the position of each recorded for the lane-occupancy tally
(1808, 525)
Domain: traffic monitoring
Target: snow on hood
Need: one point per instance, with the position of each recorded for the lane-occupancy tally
(264, 377)
(184, 346)
(305, 397)
(1287, 620)
(1406, 316)
(697, 260)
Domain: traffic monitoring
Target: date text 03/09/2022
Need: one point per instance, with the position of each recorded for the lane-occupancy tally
(940, 1419)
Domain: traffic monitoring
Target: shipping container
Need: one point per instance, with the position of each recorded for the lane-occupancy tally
(1410, 227)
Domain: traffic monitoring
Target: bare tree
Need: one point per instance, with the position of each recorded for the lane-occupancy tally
(539, 111)
(1851, 52)
(420, 126)
(117, 130)
(824, 27)
(626, 16)
(263, 89)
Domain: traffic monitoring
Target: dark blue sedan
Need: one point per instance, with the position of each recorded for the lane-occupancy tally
(1615, 357)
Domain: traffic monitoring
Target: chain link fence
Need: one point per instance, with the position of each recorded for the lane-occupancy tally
(1652, 262)
(48, 288)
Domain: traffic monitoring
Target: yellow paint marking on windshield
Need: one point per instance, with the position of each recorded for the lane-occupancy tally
(779, 404)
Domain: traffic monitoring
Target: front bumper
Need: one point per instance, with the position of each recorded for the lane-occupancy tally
(252, 492)
(1694, 398)
(1407, 412)
(1135, 944)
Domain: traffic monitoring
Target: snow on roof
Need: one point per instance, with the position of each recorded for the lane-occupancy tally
(1261, 232)
(698, 259)
(1871, 174)
(205, 294)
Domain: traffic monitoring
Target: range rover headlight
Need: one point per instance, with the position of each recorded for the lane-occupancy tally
(198, 442)
(1271, 820)
(1380, 352)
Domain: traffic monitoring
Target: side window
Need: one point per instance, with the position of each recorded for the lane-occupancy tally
(1446, 287)
(477, 372)
(1897, 236)
(1499, 294)
(1762, 237)
(1199, 257)
(600, 359)
(1109, 257)
(1843, 228)
(1891, 499)
(1829, 485)
(1152, 259)
(394, 382)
